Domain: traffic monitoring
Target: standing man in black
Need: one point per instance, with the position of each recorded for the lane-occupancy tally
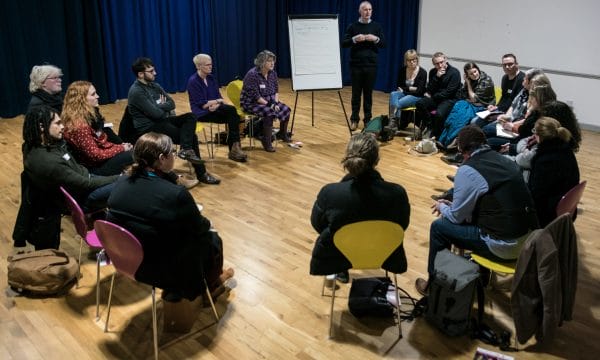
(442, 86)
(364, 38)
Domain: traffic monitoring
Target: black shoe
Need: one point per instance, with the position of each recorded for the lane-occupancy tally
(343, 277)
(422, 286)
(453, 159)
(285, 137)
(207, 178)
(190, 156)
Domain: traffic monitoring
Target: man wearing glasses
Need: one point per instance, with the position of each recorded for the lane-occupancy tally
(512, 82)
(152, 109)
(434, 107)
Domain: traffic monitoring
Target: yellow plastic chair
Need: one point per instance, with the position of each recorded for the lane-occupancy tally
(498, 92)
(209, 139)
(234, 91)
(412, 110)
(367, 244)
(499, 267)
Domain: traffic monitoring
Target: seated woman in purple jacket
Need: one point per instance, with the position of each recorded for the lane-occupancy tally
(260, 97)
(207, 104)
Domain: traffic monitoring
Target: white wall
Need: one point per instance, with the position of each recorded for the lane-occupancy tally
(561, 37)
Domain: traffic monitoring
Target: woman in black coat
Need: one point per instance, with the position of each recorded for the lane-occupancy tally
(361, 195)
(554, 169)
(179, 245)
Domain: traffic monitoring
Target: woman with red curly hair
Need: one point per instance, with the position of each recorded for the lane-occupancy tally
(94, 146)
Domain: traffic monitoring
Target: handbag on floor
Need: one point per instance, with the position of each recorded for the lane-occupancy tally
(43, 272)
(368, 297)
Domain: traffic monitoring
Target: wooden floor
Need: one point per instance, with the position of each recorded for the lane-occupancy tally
(274, 309)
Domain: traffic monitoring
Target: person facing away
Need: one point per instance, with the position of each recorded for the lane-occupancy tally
(412, 80)
(364, 38)
(260, 96)
(361, 195)
(442, 86)
(207, 104)
(492, 211)
(554, 169)
(45, 86)
(85, 132)
(179, 246)
(152, 109)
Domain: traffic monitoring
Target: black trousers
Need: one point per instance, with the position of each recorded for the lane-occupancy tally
(182, 130)
(363, 81)
(225, 114)
(434, 122)
(114, 165)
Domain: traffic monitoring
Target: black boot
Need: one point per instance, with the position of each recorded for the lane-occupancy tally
(266, 138)
(283, 133)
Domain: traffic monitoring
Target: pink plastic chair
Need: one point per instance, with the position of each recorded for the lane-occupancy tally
(568, 203)
(126, 254)
(90, 237)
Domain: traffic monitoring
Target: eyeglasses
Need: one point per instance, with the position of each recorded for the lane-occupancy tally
(413, 60)
(151, 71)
(508, 64)
(59, 77)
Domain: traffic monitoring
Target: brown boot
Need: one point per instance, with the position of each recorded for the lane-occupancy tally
(236, 153)
(266, 139)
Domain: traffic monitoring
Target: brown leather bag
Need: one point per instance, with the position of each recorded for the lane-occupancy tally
(43, 272)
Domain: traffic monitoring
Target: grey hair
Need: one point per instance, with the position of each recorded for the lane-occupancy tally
(262, 58)
(362, 154)
(39, 74)
(200, 59)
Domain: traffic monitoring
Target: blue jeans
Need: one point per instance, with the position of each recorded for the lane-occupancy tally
(444, 233)
(399, 100)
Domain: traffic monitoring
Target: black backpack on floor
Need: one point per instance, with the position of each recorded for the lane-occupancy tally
(452, 290)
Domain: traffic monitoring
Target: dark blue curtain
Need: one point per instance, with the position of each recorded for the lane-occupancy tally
(98, 41)
(65, 33)
(168, 32)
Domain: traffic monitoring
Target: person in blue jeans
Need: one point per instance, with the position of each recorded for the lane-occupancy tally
(412, 80)
(491, 212)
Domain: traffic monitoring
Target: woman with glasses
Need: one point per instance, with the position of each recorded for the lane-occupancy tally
(412, 80)
(85, 132)
(180, 247)
(45, 86)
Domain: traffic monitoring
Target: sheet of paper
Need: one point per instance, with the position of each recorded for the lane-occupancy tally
(502, 132)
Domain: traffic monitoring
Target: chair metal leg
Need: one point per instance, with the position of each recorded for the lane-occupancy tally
(112, 283)
(398, 308)
(208, 142)
(79, 263)
(98, 284)
(331, 311)
(154, 325)
(210, 299)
